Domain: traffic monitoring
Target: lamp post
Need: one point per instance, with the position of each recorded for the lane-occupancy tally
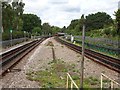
(83, 49)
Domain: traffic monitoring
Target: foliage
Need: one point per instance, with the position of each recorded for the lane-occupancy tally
(106, 32)
(50, 78)
(46, 28)
(55, 76)
(98, 21)
(37, 31)
(117, 14)
(55, 29)
(63, 29)
(93, 22)
(15, 35)
(11, 14)
(74, 27)
(30, 21)
(13, 18)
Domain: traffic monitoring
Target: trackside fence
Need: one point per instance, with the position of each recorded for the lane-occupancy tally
(72, 82)
(113, 82)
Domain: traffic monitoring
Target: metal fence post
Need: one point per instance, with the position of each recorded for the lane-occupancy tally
(112, 85)
(71, 85)
(67, 82)
(101, 81)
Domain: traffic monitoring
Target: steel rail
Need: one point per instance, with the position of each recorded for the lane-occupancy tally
(109, 62)
(11, 58)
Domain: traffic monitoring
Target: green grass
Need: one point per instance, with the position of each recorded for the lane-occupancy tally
(55, 76)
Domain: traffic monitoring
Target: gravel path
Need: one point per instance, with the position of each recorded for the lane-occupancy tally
(90, 68)
(39, 59)
(34, 61)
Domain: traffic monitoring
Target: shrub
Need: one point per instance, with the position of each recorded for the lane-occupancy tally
(15, 35)
(107, 31)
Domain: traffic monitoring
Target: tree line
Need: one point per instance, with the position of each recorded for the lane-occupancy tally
(14, 19)
(100, 23)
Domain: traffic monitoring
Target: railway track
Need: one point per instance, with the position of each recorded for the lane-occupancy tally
(11, 58)
(109, 62)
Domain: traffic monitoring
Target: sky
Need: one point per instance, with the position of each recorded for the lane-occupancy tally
(61, 12)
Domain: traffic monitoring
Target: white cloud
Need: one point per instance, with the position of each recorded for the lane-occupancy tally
(61, 12)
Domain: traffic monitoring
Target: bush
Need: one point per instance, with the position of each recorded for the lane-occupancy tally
(15, 35)
(5, 36)
(107, 31)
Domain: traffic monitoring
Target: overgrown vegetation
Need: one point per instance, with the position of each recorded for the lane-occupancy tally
(55, 76)
(15, 35)
(117, 14)
(99, 24)
(52, 77)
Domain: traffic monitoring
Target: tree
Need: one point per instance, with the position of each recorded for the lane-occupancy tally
(98, 21)
(7, 16)
(76, 26)
(63, 30)
(30, 21)
(18, 11)
(117, 14)
(46, 28)
(37, 30)
(55, 29)
(11, 14)
(73, 24)
(72, 27)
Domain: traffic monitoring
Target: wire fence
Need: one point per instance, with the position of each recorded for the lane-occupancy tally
(8, 43)
(104, 45)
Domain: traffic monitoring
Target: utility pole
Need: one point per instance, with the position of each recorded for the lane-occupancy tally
(1, 26)
(83, 49)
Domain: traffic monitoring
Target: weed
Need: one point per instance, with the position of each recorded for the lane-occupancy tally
(78, 55)
(50, 43)
(55, 76)
(106, 81)
(62, 46)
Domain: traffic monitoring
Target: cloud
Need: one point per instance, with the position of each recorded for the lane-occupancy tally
(72, 9)
(58, 2)
(61, 12)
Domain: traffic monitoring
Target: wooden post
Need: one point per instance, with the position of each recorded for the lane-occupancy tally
(53, 52)
(82, 62)
(101, 81)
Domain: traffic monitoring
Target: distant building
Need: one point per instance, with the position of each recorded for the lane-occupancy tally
(119, 5)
